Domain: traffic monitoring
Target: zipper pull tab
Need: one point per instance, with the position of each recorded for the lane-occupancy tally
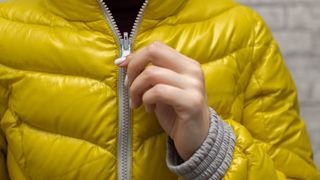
(125, 45)
(125, 48)
(125, 42)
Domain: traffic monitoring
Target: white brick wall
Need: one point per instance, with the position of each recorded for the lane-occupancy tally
(296, 26)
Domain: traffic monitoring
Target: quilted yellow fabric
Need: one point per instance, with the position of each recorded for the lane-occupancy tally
(58, 98)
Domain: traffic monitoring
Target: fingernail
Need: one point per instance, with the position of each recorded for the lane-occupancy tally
(119, 60)
(126, 81)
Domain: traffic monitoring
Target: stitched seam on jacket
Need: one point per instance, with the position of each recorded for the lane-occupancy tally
(45, 131)
(40, 24)
(20, 143)
(151, 28)
(265, 44)
(210, 18)
(75, 29)
(91, 161)
(60, 75)
(21, 169)
(269, 44)
(225, 56)
(262, 94)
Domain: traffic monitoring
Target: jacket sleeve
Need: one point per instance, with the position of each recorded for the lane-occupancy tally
(270, 140)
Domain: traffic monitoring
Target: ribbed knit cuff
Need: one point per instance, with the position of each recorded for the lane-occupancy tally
(212, 159)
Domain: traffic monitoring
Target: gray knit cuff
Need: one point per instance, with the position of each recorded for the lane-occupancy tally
(212, 159)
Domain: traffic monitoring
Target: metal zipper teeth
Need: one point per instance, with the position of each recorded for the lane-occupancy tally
(124, 130)
(114, 25)
(138, 20)
(111, 21)
(124, 134)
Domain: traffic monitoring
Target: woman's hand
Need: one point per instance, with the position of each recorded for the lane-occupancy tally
(171, 85)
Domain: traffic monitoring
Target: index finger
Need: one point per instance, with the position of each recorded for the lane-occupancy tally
(157, 54)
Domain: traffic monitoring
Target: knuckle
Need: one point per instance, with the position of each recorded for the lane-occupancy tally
(197, 84)
(197, 100)
(150, 74)
(152, 48)
(158, 90)
(196, 68)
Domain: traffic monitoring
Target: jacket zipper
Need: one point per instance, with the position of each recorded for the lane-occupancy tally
(124, 113)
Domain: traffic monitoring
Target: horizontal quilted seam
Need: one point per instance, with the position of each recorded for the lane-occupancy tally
(75, 29)
(227, 55)
(68, 24)
(149, 25)
(99, 68)
(44, 131)
(56, 75)
(40, 25)
(108, 156)
(23, 170)
(212, 57)
(211, 19)
(52, 17)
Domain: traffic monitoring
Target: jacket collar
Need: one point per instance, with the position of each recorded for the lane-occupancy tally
(160, 9)
(89, 10)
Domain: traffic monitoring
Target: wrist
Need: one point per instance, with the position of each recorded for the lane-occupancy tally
(195, 133)
(212, 159)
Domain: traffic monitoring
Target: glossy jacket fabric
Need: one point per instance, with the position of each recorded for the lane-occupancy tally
(59, 101)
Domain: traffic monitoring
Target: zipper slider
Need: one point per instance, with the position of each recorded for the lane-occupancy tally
(125, 44)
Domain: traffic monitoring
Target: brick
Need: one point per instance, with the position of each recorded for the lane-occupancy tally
(303, 65)
(316, 91)
(305, 70)
(274, 16)
(303, 90)
(316, 49)
(304, 17)
(277, 2)
(310, 113)
(244, 1)
(294, 42)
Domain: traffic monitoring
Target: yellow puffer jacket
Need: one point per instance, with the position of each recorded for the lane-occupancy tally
(58, 91)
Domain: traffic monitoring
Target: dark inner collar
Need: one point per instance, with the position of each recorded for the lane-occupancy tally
(124, 12)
